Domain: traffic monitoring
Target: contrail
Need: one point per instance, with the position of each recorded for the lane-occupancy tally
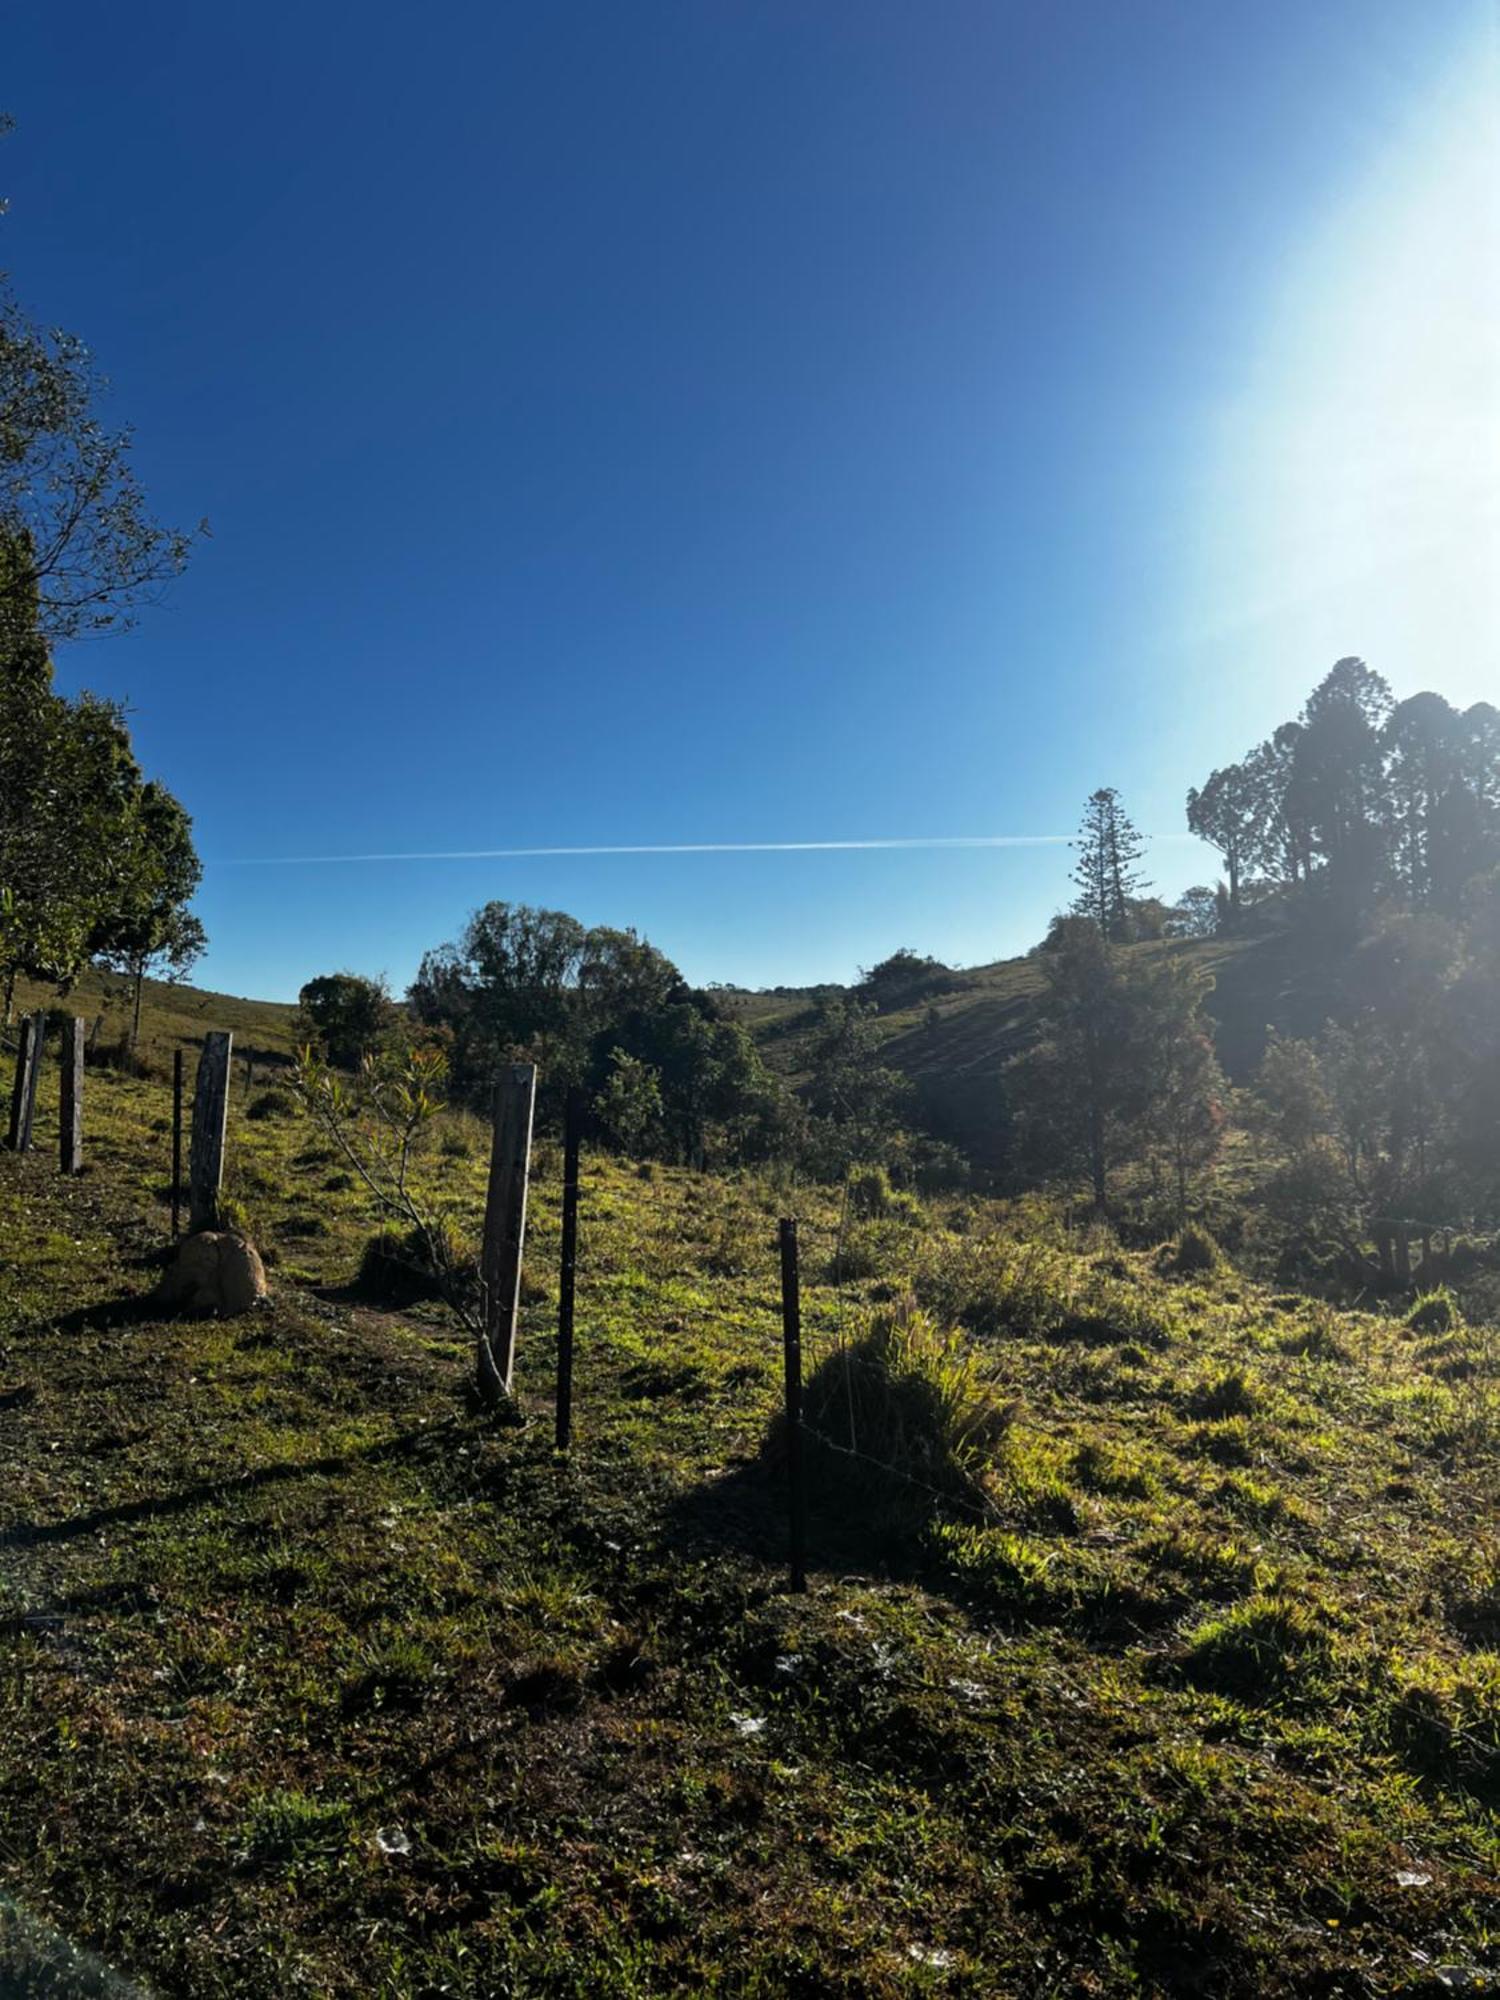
(917, 842)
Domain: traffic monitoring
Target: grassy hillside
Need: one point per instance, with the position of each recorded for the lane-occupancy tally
(172, 1016)
(954, 1045)
(312, 1681)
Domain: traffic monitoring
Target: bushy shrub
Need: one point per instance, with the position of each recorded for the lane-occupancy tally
(990, 1284)
(1258, 1652)
(400, 1267)
(911, 1419)
(1437, 1311)
(1445, 1723)
(870, 1196)
(1195, 1253)
(117, 1055)
(1231, 1394)
(878, 1248)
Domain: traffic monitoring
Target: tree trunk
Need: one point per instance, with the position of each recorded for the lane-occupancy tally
(135, 1019)
(10, 994)
(1096, 1157)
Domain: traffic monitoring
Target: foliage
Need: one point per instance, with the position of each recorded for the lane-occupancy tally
(857, 1103)
(69, 788)
(1199, 912)
(92, 860)
(1226, 814)
(375, 1121)
(1393, 1107)
(1106, 875)
(629, 1107)
(1361, 800)
(152, 930)
(349, 1015)
(535, 985)
(1196, 1252)
(870, 1195)
(907, 1413)
(902, 979)
(81, 552)
(1125, 1063)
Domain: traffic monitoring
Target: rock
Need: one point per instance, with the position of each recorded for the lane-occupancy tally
(214, 1272)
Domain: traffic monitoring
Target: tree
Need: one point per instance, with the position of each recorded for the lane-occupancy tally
(349, 1015)
(89, 857)
(1421, 741)
(629, 1106)
(856, 1102)
(1186, 1092)
(1294, 1101)
(1124, 1065)
(1228, 814)
(69, 790)
(82, 552)
(535, 984)
(508, 989)
(903, 979)
(1338, 775)
(1196, 914)
(152, 926)
(1108, 848)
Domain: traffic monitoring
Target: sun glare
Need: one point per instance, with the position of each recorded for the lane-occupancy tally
(1366, 446)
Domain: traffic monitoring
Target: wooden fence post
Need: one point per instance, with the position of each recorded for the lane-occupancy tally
(28, 1069)
(505, 1230)
(176, 1143)
(210, 1114)
(70, 1099)
(25, 1035)
(38, 1049)
(567, 1276)
(796, 1469)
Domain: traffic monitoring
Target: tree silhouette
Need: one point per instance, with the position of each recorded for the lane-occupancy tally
(1108, 881)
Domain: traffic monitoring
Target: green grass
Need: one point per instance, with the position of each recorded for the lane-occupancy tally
(312, 1681)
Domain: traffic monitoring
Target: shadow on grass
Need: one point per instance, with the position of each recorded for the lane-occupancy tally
(413, 1444)
(104, 1316)
(746, 1510)
(39, 1963)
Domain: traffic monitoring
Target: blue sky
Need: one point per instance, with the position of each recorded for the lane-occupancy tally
(747, 421)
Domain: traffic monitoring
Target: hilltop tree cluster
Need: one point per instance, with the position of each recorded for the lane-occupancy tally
(1388, 1119)
(1362, 800)
(603, 1010)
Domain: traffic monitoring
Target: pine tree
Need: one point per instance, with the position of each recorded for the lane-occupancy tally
(1108, 880)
